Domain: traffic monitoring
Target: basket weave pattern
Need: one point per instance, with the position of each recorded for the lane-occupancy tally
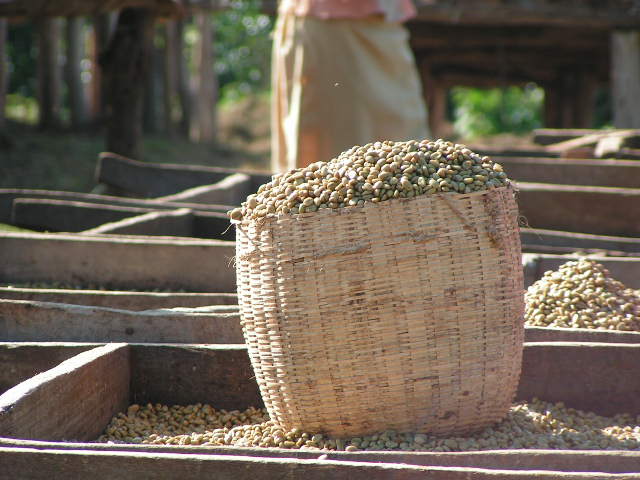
(405, 315)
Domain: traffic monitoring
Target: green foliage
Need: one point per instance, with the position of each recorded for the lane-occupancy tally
(243, 49)
(481, 112)
(22, 109)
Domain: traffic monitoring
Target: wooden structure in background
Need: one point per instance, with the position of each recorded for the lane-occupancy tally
(124, 61)
(564, 46)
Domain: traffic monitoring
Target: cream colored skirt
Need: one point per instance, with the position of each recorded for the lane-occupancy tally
(339, 83)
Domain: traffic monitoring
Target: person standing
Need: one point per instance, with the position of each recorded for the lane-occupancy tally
(342, 75)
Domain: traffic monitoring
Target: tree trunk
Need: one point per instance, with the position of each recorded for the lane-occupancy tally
(184, 88)
(206, 82)
(153, 114)
(73, 68)
(49, 72)
(4, 71)
(625, 78)
(103, 26)
(170, 76)
(125, 65)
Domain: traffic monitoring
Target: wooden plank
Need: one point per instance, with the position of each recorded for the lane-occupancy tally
(545, 334)
(590, 172)
(584, 209)
(174, 223)
(628, 153)
(623, 269)
(134, 301)
(595, 377)
(143, 263)
(616, 461)
(8, 196)
(579, 241)
(74, 400)
(592, 139)
(130, 465)
(20, 361)
(551, 250)
(28, 321)
(64, 216)
(160, 179)
(549, 136)
(232, 190)
(220, 375)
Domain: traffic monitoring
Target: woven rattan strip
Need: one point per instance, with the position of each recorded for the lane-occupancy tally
(405, 315)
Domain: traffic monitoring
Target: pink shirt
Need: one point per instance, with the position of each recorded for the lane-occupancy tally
(393, 10)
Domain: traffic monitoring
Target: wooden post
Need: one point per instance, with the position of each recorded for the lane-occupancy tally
(625, 78)
(49, 73)
(435, 95)
(73, 70)
(4, 70)
(207, 86)
(552, 108)
(584, 100)
(125, 65)
(184, 87)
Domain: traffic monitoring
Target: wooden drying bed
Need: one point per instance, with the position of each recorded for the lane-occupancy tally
(39, 413)
(118, 262)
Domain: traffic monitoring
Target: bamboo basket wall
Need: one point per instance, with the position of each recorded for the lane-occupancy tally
(405, 315)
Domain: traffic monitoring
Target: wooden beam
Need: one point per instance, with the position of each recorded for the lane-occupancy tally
(426, 35)
(538, 12)
(625, 78)
(81, 394)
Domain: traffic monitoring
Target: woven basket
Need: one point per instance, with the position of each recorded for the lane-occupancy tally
(405, 315)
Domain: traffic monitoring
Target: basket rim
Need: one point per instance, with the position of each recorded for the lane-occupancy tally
(347, 210)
